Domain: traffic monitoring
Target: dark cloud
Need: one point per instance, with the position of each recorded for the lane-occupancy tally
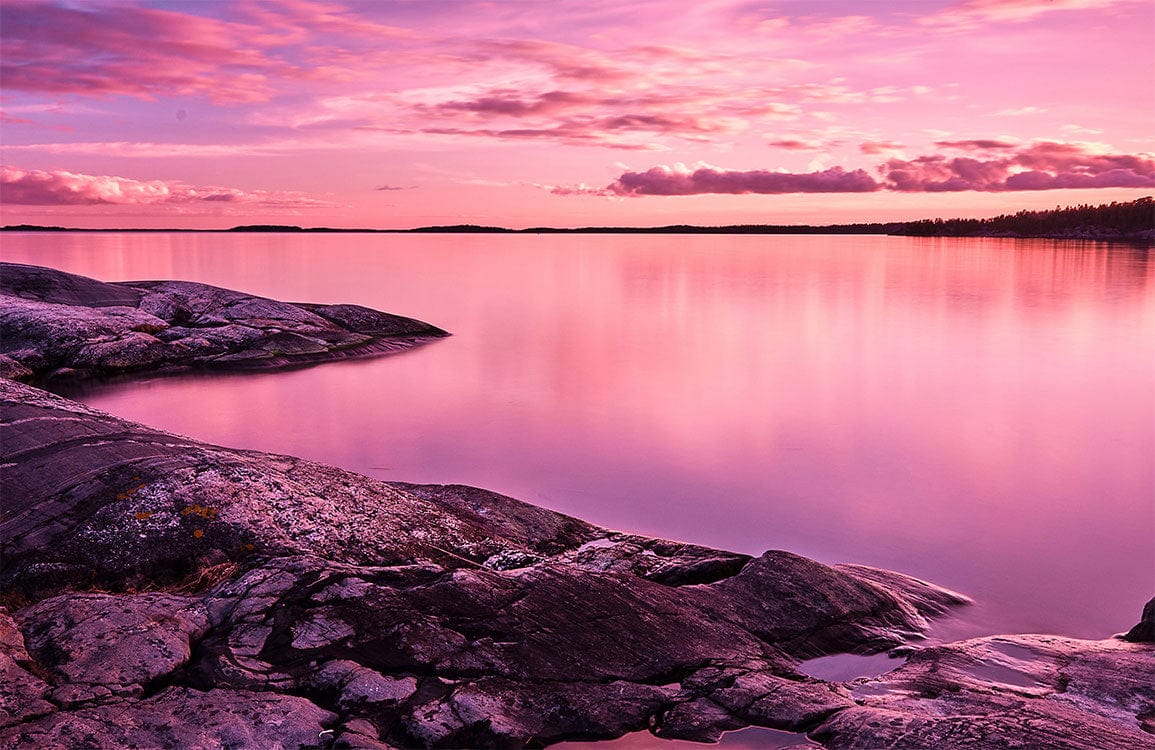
(978, 144)
(510, 104)
(667, 181)
(616, 131)
(794, 144)
(1045, 165)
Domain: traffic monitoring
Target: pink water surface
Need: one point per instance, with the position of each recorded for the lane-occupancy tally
(976, 412)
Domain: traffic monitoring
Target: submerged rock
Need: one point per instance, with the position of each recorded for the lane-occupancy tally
(56, 325)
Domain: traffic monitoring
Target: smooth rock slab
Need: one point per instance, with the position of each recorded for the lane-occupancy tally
(100, 645)
(1028, 691)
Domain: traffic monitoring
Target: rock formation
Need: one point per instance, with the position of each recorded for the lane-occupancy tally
(159, 591)
(55, 325)
(150, 564)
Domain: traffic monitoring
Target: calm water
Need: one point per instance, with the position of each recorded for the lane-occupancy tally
(980, 413)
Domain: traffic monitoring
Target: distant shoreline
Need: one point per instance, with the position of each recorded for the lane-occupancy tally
(1147, 236)
(1127, 222)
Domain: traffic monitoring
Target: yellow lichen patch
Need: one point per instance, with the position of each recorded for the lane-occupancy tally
(199, 510)
(130, 491)
(142, 514)
(198, 533)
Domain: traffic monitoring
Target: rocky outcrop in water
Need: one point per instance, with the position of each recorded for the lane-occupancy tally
(1144, 631)
(55, 325)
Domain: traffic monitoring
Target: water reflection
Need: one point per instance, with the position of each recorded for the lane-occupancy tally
(976, 412)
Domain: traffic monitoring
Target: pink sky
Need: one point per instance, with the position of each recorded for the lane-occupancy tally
(209, 114)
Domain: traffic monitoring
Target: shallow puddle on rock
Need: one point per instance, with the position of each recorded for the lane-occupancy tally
(842, 667)
(989, 672)
(752, 738)
(599, 543)
(1014, 650)
(1003, 666)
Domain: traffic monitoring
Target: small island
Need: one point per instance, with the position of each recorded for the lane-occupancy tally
(157, 588)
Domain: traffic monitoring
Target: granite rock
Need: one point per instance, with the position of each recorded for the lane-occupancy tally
(401, 614)
(1144, 630)
(1022, 691)
(55, 326)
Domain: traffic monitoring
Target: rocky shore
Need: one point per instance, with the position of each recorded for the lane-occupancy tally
(55, 325)
(163, 592)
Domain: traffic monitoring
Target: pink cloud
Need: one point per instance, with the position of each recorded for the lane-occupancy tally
(879, 147)
(795, 144)
(509, 103)
(297, 17)
(973, 13)
(935, 174)
(61, 188)
(572, 134)
(625, 130)
(682, 181)
(123, 50)
(1045, 165)
(566, 61)
(1041, 166)
(7, 119)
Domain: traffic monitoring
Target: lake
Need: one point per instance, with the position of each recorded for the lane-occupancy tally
(976, 412)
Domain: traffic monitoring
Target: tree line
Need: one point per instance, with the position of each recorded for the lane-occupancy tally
(1133, 219)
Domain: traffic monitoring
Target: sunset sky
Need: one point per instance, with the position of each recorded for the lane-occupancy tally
(208, 114)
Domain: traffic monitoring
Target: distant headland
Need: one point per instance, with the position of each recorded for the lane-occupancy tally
(1130, 221)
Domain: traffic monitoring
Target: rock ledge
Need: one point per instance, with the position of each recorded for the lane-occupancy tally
(56, 326)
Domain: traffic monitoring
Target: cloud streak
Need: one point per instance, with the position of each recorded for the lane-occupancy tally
(61, 188)
(971, 14)
(1042, 166)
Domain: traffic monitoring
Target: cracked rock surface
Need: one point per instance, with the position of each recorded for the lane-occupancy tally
(56, 325)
